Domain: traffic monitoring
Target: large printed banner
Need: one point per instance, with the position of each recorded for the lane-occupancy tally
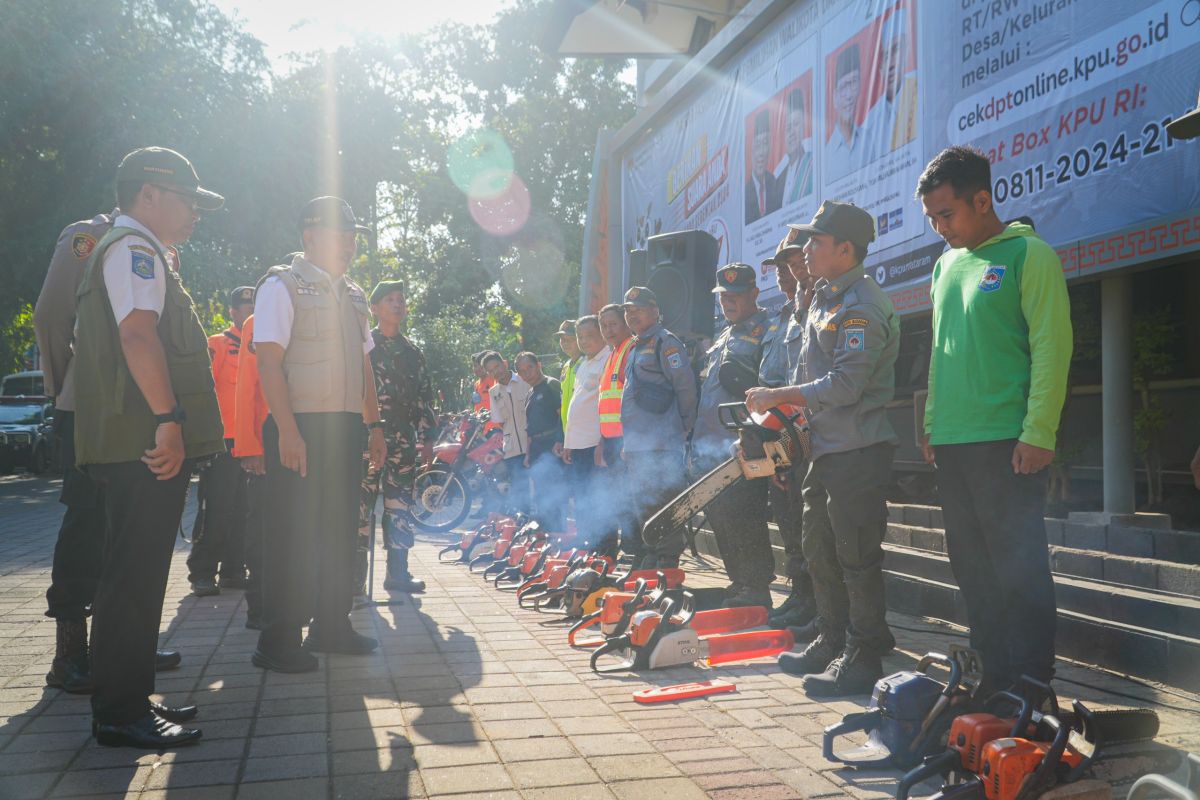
(849, 100)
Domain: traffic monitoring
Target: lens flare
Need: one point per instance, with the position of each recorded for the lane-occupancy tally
(480, 163)
(535, 273)
(505, 213)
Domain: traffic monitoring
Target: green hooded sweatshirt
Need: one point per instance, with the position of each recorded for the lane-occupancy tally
(1001, 342)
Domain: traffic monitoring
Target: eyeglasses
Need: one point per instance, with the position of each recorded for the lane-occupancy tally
(189, 198)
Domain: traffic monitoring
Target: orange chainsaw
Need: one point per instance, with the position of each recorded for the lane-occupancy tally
(660, 637)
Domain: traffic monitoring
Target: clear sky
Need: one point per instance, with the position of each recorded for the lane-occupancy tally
(303, 25)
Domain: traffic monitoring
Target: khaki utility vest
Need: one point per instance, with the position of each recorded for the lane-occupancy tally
(113, 422)
(323, 363)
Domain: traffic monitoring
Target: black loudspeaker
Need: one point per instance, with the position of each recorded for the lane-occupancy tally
(638, 274)
(683, 267)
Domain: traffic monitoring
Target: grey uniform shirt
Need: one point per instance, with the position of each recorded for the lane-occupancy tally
(773, 371)
(793, 339)
(54, 314)
(744, 342)
(848, 369)
(658, 357)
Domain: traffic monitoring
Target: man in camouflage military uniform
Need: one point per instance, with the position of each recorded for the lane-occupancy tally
(406, 406)
(738, 517)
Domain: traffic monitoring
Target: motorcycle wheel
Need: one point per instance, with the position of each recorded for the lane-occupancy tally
(441, 501)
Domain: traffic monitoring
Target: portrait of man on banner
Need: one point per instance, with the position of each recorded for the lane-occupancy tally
(795, 171)
(892, 120)
(846, 145)
(762, 191)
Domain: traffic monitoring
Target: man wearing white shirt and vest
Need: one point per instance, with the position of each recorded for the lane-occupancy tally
(583, 435)
(145, 412)
(610, 483)
(508, 395)
(312, 341)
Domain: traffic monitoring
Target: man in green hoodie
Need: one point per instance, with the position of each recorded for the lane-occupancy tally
(997, 381)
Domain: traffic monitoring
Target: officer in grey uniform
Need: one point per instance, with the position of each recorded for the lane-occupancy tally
(658, 410)
(847, 377)
(738, 517)
(781, 350)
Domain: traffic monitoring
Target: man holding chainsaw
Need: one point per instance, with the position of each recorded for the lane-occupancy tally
(1002, 338)
(658, 410)
(846, 379)
(780, 355)
(738, 516)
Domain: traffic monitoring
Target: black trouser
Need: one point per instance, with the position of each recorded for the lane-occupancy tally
(845, 558)
(655, 477)
(518, 485)
(738, 518)
(614, 501)
(141, 517)
(256, 498)
(550, 487)
(311, 525)
(80, 546)
(787, 507)
(224, 539)
(996, 539)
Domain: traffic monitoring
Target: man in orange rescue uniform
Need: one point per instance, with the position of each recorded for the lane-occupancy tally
(249, 413)
(223, 540)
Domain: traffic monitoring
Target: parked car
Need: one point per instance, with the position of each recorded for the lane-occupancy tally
(24, 384)
(26, 435)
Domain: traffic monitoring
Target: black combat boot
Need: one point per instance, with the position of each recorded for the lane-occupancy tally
(796, 611)
(853, 672)
(813, 659)
(70, 670)
(399, 579)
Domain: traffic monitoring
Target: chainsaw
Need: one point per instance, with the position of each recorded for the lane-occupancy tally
(618, 609)
(554, 573)
(490, 530)
(981, 754)
(569, 596)
(525, 560)
(909, 712)
(529, 538)
(768, 443)
(507, 538)
(659, 638)
(536, 567)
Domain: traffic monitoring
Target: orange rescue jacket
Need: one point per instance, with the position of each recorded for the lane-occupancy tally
(250, 406)
(223, 348)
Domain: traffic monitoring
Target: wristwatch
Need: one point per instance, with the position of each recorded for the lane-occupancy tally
(176, 414)
(377, 425)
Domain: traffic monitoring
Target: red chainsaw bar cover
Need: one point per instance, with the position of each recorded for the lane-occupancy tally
(683, 691)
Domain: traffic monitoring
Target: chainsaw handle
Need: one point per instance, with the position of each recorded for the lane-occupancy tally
(861, 721)
(1153, 783)
(687, 609)
(733, 416)
(1024, 710)
(937, 764)
(929, 659)
(1045, 775)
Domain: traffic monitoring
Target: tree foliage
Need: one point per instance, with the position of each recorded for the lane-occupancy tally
(86, 83)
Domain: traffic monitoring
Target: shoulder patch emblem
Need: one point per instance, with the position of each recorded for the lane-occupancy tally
(856, 339)
(82, 245)
(674, 357)
(757, 332)
(143, 265)
(993, 276)
(856, 322)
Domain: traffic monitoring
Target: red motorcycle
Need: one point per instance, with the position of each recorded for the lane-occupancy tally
(458, 470)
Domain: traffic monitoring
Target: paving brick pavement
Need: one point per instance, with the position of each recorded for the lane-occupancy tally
(469, 696)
